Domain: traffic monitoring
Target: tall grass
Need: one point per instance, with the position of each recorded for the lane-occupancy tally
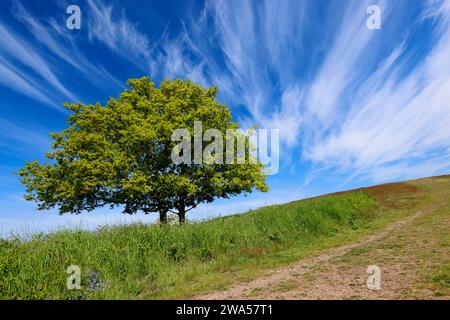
(142, 261)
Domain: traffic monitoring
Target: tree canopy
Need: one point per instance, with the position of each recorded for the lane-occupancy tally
(122, 154)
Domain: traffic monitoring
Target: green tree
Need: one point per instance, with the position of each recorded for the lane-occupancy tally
(120, 154)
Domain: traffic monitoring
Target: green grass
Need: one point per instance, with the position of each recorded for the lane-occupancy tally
(159, 262)
(442, 277)
(141, 261)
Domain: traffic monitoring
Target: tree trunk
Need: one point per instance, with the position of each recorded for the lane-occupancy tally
(162, 216)
(182, 215)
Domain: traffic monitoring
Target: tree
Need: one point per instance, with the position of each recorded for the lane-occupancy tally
(121, 154)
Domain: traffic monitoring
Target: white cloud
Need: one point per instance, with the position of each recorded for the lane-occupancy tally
(11, 78)
(250, 44)
(405, 119)
(118, 34)
(62, 44)
(16, 50)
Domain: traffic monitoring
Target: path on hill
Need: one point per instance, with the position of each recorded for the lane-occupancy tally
(340, 273)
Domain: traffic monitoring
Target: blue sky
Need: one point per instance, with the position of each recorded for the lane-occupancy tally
(354, 106)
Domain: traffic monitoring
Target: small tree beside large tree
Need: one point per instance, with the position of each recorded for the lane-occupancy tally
(120, 154)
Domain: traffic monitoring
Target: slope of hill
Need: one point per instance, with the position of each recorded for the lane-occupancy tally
(315, 248)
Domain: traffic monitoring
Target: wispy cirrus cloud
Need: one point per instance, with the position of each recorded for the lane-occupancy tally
(255, 49)
(402, 122)
(11, 77)
(350, 48)
(358, 100)
(118, 34)
(40, 63)
(61, 43)
(21, 55)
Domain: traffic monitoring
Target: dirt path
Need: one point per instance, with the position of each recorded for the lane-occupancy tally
(340, 273)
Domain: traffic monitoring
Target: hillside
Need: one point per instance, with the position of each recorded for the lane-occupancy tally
(314, 248)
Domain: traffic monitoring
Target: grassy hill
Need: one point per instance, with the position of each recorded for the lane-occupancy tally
(154, 262)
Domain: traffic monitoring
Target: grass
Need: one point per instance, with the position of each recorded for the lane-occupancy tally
(442, 277)
(159, 262)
